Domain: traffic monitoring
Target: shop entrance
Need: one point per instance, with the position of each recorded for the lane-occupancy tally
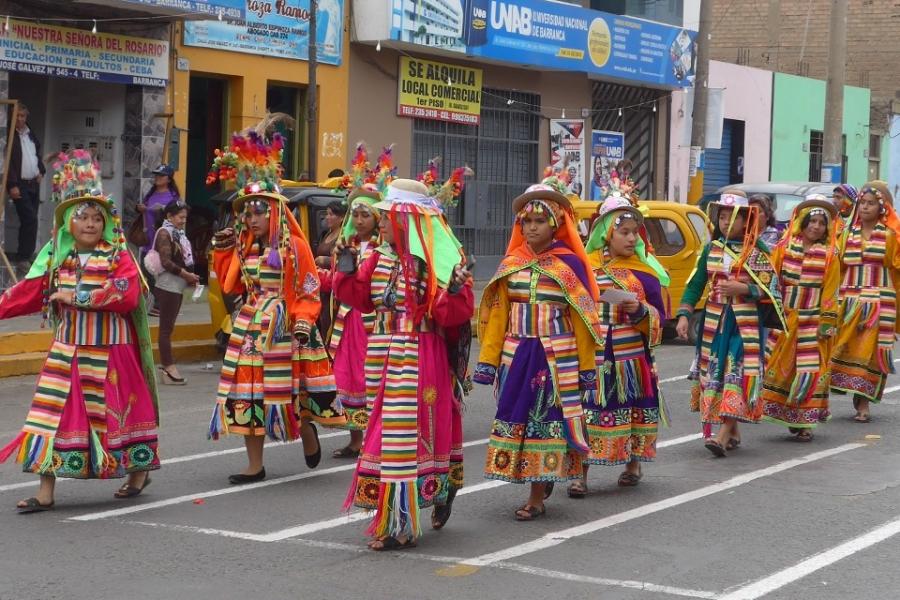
(289, 100)
(206, 132)
(66, 114)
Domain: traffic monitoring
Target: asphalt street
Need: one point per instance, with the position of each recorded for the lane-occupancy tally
(775, 519)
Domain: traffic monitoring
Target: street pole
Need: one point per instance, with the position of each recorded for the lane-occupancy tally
(701, 102)
(774, 34)
(312, 130)
(833, 152)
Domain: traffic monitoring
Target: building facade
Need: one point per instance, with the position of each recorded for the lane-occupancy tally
(793, 38)
(510, 88)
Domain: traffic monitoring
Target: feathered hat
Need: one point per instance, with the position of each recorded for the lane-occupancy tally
(251, 164)
(366, 185)
(446, 195)
(554, 187)
(76, 178)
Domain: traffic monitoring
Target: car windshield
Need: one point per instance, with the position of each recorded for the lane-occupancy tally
(784, 206)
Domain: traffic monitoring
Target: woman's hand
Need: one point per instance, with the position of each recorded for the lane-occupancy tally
(190, 278)
(460, 276)
(681, 328)
(733, 287)
(224, 238)
(63, 297)
(631, 306)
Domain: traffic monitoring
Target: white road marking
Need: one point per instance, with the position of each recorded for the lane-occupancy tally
(812, 564)
(224, 491)
(671, 379)
(450, 560)
(558, 537)
(623, 583)
(308, 528)
(181, 459)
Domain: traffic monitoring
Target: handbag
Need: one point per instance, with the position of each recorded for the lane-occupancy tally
(136, 235)
(152, 261)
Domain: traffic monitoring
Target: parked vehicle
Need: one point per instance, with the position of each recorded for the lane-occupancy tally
(785, 196)
(677, 233)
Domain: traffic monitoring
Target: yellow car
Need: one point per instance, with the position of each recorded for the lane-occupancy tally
(677, 233)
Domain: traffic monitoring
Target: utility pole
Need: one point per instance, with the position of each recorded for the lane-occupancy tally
(832, 157)
(774, 34)
(701, 102)
(312, 130)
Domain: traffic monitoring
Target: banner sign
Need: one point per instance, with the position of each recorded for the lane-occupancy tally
(279, 29)
(424, 92)
(229, 9)
(63, 52)
(567, 138)
(554, 35)
(607, 149)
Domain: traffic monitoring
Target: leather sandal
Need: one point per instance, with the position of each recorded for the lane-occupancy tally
(530, 513)
(715, 447)
(130, 491)
(33, 505)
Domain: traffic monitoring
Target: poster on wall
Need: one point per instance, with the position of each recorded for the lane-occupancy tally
(279, 29)
(607, 149)
(438, 91)
(567, 139)
(553, 35)
(40, 49)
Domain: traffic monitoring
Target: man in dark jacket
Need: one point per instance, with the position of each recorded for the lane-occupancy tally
(23, 183)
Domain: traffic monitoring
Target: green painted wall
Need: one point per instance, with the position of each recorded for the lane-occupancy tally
(798, 106)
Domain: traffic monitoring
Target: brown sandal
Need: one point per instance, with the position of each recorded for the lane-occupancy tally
(804, 436)
(577, 489)
(629, 479)
(530, 513)
(130, 491)
(733, 444)
(715, 447)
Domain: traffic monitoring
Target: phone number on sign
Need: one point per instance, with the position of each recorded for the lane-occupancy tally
(440, 115)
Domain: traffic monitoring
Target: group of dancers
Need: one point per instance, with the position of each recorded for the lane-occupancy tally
(566, 327)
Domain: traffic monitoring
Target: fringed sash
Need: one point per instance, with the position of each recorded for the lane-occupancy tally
(264, 315)
(867, 288)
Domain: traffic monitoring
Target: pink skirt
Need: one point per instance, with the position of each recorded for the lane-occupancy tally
(349, 371)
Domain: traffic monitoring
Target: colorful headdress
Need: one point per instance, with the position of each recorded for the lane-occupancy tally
(445, 194)
(420, 230)
(553, 188)
(366, 185)
(880, 190)
(739, 202)
(616, 185)
(612, 213)
(250, 163)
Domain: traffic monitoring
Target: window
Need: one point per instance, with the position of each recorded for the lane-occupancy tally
(816, 150)
(503, 152)
(874, 157)
(817, 154)
(700, 226)
(665, 235)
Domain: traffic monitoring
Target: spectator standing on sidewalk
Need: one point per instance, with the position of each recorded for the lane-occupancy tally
(177, 260)
(23, 184)
(164, 191)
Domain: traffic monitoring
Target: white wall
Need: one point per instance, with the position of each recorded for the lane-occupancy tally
(66, 95)
(747, 97)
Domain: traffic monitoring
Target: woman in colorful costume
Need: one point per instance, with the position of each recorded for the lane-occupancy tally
(415, 286)
(94, 413)
(539, 331)
(862, 356)
(349, 336)
(743, 301)
(795, 388)
(276, 377)
(623, 417)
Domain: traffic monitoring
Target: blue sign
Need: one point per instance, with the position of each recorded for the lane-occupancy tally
(607, 149)
(279, 29)
(554, 35)
(228, 9)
